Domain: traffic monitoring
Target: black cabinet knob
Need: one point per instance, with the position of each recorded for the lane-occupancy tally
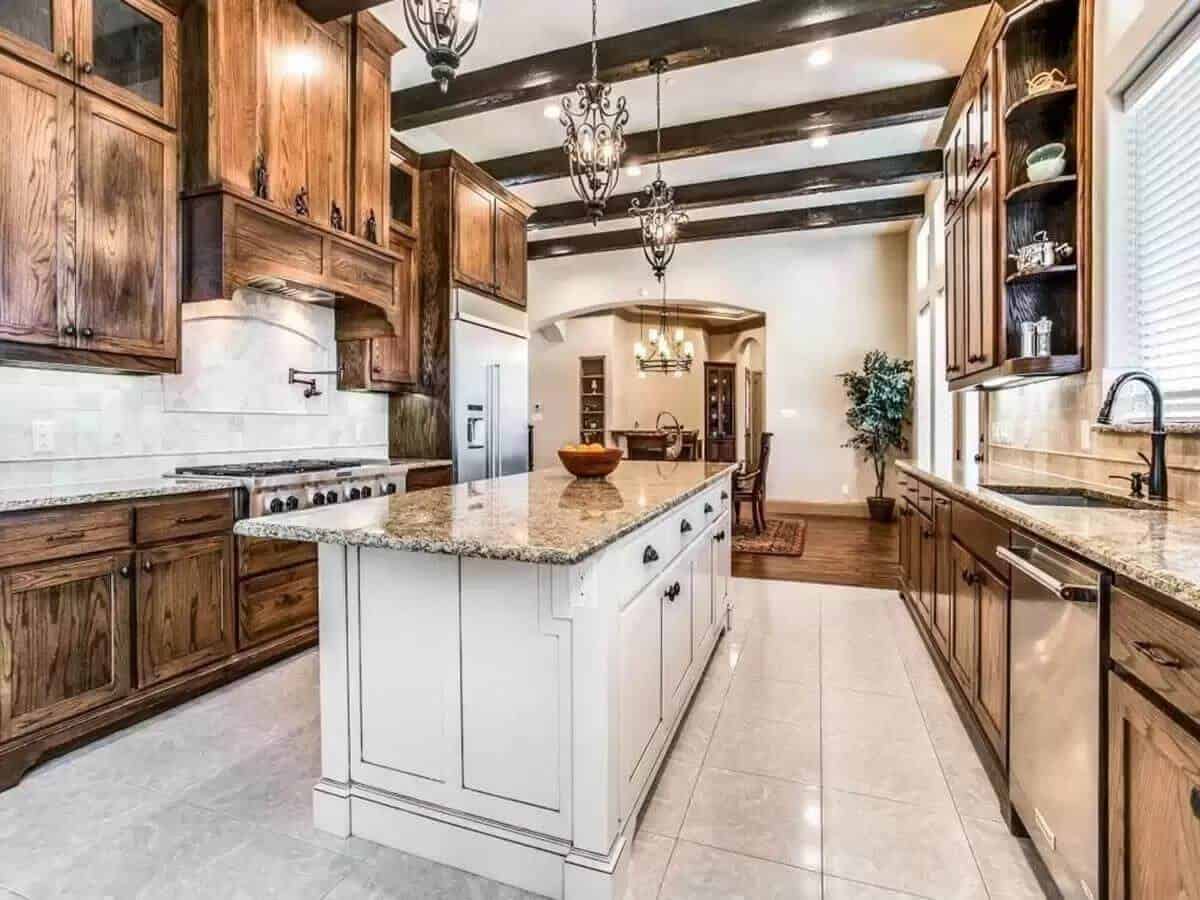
(724, 495)
(1196, 802)
(88, 68)
(68, 57)
(146, 566)
(86, 332)
(276, 505)
(293, 503)
(649, 555)
(708, 509)
(69, 331)
(685, 527)
(125, 571)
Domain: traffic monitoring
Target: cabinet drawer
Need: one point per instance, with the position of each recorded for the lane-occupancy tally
(981, 534)
(1160, 649)
(166, 520)
(925, 498)
(258, 555)
(73, 531)
(274, 604)
(423, 479)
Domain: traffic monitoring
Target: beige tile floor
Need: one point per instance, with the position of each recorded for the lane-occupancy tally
(821, 757)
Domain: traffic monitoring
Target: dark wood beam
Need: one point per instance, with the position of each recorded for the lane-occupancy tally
(835, 115)
(891, 210)
(726, 34)
(846, 176)
(328, 10)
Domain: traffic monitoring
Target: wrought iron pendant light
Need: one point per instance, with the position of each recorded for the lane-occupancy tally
(595, 139)
(664, 349)
(656, 212)
(445, 30)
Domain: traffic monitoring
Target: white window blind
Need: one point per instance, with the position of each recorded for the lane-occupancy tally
(1164, 145)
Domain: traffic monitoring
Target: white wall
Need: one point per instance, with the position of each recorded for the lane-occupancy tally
(829, 298)
(232, 401)
(639, 397)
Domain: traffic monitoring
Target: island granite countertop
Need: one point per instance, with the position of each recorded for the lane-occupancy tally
(32, 497)
(547, 516)
(1156, 547)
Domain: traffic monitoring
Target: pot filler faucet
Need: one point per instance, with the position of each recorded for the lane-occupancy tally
(1158, 433)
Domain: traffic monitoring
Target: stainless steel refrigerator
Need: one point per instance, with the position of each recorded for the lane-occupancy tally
(489, 387)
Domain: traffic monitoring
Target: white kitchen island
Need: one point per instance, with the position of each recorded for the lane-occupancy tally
(504, 663)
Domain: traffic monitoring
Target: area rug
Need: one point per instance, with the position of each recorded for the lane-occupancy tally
(781, 537)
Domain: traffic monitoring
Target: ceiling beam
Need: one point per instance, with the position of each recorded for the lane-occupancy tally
(726, 34)
(845, 176)
(891, 210)
(328, 10)
(834, 115)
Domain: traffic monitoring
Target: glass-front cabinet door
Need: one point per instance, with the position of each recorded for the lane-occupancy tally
(40, 31)
(129, 52)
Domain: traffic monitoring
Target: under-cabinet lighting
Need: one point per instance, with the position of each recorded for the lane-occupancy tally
(822, 56)
(819, 141)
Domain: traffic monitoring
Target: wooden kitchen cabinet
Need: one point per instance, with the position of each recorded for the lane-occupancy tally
(904, 521)
(980, 261)
(128, 52)
(927, 548)
(964, 647)
(941, 612)
(990, 697)
(40, 31)
(1153, 800)
(374, 47)
(956, 299)
(127, 295)
(511, 253)
(474, 234)
(64, 640)
(184, 607)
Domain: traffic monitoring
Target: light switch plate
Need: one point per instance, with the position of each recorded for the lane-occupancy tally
(43, 437)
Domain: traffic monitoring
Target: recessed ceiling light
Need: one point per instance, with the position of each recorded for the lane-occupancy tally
(819, 141)
(822, 56)
(633, 171)
(553, 111)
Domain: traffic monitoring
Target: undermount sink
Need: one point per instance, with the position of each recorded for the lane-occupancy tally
(1074, 497)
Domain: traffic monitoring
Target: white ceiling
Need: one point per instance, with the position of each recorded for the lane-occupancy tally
(924, 50)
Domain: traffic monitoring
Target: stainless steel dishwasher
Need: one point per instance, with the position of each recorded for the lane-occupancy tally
(1055, 710)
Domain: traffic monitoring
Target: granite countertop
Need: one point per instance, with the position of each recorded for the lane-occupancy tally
(1157, 546)
(547, 516)
(22, 499)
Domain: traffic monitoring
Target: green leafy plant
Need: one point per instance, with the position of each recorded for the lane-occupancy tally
(880, 396)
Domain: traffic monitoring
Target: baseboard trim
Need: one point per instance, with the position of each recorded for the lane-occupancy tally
(847, 509)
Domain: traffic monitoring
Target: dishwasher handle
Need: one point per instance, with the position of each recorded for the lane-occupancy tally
(1019, 559)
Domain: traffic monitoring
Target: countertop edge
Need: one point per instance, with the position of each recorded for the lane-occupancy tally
(1179, 589)
(89, 494)
(265, 528)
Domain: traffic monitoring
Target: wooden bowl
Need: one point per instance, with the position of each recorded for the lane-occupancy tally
(591, 463)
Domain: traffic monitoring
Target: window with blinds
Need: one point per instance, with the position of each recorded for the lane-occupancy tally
(1164, 144)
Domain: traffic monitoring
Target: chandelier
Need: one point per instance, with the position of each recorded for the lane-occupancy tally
(659, 218)
(445, 30)
(663, 348)
(595, 139)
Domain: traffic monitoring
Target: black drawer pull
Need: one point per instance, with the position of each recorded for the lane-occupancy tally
(147, 566)
(724, 495)
(65, 536)
(125, 571)
(708, 509)
(1157, 655)
(196, 520)
(685, 527)
(1196, 802)
(649, 555)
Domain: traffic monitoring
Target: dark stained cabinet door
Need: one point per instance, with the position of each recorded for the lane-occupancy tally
(928, 550)
(40, 31)
(980, 255)
(943, 581)
(510, 254)
(372, 100)
(474, 234)
(127, 292)
(915, 561)
(37, 209)
(964, 657)
(327, 129)
(391, 361)
(1153, 798)
(128, 51)
(64, 640)
(185, 605)
(991, 686)
(956, 297)
(905, 515)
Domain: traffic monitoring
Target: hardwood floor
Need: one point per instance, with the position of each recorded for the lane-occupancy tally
(838, 550)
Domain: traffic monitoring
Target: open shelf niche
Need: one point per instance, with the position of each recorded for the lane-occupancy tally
(593, 396)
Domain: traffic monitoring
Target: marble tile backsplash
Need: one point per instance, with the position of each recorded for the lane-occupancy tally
(1049, 427)
(232, 401)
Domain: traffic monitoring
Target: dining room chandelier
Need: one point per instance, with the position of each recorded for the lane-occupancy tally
(656, 211)
(595, 140)
(445, 30)
(664, 348)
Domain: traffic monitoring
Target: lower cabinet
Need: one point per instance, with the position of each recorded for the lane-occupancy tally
(641, 699)
(675, 597)
(64, 640)
(1154, 800)
(275, 603)
(184, 607)
(991, 685)
(704, 607)
(942, 614)
(964, 601)
(922, 552)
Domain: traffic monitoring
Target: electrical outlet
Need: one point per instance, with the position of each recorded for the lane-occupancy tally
(845, 490)
(43, 437)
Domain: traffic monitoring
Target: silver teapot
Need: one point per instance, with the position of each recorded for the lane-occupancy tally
(1043, 253)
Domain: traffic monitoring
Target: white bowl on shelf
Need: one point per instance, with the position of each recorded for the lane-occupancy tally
(1046, 162)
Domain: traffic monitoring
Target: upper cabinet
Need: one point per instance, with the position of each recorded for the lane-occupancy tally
(88, 220)
(374, 47)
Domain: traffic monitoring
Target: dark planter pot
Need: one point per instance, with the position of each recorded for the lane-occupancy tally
(883, 509)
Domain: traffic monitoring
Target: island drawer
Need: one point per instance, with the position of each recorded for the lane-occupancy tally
(423, 479)
(259, 555)
(30, 537)
(174, 518)
(276, 603)
(1158, 648)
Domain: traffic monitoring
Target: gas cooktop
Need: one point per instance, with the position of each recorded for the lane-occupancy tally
(285, 467)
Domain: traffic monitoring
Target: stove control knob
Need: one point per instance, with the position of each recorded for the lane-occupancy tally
(331, 496)
(276, 505)
(355, 493)
(293, 503)
(367, 492)
(391, 488)
(318, 499)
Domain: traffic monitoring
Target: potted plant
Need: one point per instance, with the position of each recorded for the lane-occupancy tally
(880, 396)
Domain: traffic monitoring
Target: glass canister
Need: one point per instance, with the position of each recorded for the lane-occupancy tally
(1044, 329)
(1029, 338)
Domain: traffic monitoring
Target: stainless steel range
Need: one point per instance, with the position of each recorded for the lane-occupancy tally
(276, 487)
